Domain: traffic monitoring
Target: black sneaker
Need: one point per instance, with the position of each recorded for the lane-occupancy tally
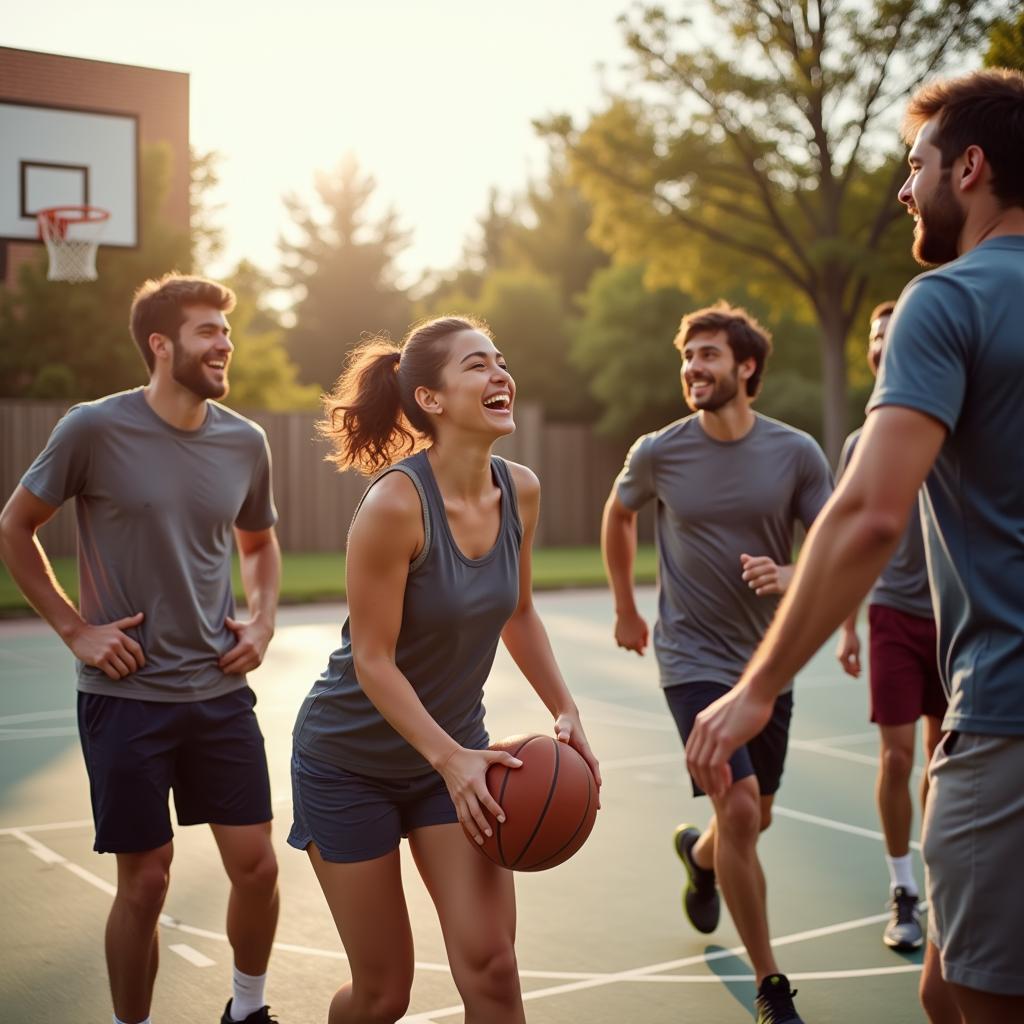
(700, 897)
(260, 1016)
(774, 1002)
(903, 932)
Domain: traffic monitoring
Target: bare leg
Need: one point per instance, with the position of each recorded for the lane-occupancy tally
(932, 738)
(738, 816)
(368, 906)
(986, 1007)
(895, 809)
(937, 994)
(253, 904)
(703, 851)
(132, 944)
(481, 946)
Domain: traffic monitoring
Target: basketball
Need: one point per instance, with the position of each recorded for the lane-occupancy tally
(550, 804)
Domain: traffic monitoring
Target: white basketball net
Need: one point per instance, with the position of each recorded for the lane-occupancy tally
(72, 239)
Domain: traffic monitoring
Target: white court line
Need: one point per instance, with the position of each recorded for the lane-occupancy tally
(643, 973)
(38, 734)
(717, 979)
(193, 956)
(37, 716)
(55, 826)
(839, 741)
(838, 826)
(576, 979)
(816, 747)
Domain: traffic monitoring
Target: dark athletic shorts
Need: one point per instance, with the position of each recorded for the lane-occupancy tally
(904, 667)
(764, 756)
(208, 752)
(354, 817)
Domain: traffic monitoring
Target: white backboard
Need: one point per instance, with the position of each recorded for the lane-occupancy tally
(53, 156)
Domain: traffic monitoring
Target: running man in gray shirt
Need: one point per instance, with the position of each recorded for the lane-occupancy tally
(729, 486)
(904, 684)
(164, 480)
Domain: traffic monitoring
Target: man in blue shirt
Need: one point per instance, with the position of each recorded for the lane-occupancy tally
(947, 412)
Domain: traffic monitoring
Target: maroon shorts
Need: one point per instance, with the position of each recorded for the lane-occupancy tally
(905, 680)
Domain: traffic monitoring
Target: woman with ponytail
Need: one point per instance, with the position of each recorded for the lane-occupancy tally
(390, 742)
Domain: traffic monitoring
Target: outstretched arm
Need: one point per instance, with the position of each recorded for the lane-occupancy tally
(526, 638)
(846, 549)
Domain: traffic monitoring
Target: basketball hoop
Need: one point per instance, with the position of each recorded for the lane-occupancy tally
(72, 236)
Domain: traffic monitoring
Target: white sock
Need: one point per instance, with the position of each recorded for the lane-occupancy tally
(247, 994)
(117, 1020)
(901, 873)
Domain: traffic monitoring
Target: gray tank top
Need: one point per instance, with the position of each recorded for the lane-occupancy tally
(452, 617)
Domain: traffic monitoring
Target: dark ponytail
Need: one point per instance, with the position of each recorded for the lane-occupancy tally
(371, 418)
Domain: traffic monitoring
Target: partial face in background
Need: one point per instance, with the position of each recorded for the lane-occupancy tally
(876, 341)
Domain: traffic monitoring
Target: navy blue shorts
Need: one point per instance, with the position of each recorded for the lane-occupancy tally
(357, 817)
(764, 756)
(209, 753)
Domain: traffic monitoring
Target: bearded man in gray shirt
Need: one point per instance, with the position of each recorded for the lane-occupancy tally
(729, 486)
(162, 478)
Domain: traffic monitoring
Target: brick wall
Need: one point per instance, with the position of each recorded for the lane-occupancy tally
(159, 98)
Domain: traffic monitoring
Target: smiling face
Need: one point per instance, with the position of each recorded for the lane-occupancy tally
(477, 392)
(202, 352)
(710, 373)
(929, 198)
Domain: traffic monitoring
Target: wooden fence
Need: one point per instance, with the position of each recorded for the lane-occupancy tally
(315, 502)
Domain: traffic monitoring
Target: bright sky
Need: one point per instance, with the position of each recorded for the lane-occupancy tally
(435, 97)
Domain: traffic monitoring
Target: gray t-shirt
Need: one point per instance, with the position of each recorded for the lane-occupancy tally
(956, 353)
(155, 508)
(903, 584)
(715, 501)
(452, 617)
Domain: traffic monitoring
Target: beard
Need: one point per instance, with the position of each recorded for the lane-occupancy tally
(937, 232)
(188, 371)
(723, 392)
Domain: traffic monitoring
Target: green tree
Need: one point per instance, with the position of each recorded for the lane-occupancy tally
(552, 235)
(1006, 44)
(341, 266)
(623, 346)
(205, 211)
(763, 152)
(526, 312)
(71, 341)
(262, 375)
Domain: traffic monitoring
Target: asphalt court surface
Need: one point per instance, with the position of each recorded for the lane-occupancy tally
(602, 938)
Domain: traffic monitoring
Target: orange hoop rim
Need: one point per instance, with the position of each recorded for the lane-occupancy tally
(75, 214)
(54, 221)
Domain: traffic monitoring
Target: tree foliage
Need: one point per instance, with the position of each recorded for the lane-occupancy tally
(262, 376)
(340, 265)
(71, 341)
(764, 154)
(1006, 44)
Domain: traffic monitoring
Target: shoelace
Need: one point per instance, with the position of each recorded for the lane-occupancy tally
(905, 905)
(777, 1004)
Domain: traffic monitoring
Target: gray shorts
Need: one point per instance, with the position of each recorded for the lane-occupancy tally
(354, 817)
(973, 841)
